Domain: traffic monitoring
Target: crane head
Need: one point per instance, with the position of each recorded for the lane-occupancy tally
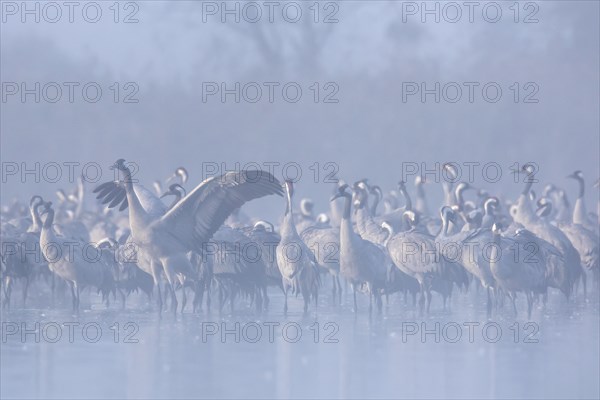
(182, 173)
(119, 165)
(376, 190)
(323, 219)
(411, 217)
(576, 175)
(492, 203)
(544, 207)
(451, 169)
(174, 190)
(306, 207)
(341, 192)
(262, 225)
(363, 184)
(47, 207)
(448, 213)
(35, 200)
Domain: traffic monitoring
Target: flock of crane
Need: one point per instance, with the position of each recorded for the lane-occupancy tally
(203, 244)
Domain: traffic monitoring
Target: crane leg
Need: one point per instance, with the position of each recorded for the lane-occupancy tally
(25, 289)
(584, 281)
(156, 278)
(73, 295)
(169, 269)
(339, 285)
(221, 297)
(285, 304)
(7, 291)
(53, 287)
(232, 300)
(421, 301)
(513, 299)
(123, 298)
(198, 296)
(183, 298)
(259, 300)
(75, 292)
(334, 290)
(489, 302)
(266, 297)
(428, 300)
(208, 296)
(306, 298)
(545, 298)
(529, 304)
(354, 294)
(171, 289)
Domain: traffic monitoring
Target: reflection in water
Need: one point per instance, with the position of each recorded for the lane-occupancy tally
(198, 355)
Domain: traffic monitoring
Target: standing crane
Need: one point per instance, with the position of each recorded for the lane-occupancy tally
(165, 238)
(297, 264)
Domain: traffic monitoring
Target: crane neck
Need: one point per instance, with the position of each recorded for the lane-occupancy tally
(450, 198)
(288, 203)
(528, 184)
(177, 200)
(459, 196)
(288, 227)
(347, 206)
(420, 191)
(407, 199)
(49, 220)
(80, 197)
(444, 229)
(390, 232)
(375, 202)
(136, 210)
(488, 207)
(346, 231)
(581, 187)
(496, 239)
(35, 217)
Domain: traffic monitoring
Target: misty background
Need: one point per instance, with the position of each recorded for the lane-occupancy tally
(367, 54)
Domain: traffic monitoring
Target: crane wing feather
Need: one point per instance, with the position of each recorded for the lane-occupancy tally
(114, 193)
(198, 215)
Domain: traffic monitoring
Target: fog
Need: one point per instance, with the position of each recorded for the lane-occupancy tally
(368, 54)
(383, 90)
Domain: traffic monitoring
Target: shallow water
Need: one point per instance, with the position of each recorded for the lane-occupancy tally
(555, 356)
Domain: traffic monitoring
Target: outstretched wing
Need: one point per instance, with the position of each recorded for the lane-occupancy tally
(114, 194)
(199, 214)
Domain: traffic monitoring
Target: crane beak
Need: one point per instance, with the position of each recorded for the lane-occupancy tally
(335, 197)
